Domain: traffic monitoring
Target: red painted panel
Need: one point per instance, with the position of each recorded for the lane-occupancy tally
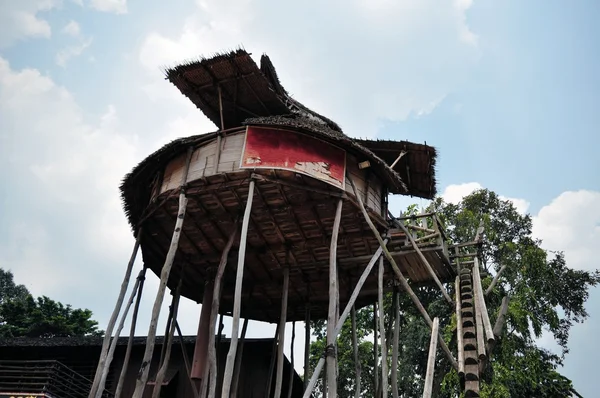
(270, 148)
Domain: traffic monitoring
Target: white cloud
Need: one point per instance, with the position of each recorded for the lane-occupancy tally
(114, 6)
(72, 29)
(69, 52)
(454, 193)
(571, 222)
(382, 60)
(21, 20)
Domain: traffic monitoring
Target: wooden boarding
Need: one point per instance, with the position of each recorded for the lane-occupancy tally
(288, 212)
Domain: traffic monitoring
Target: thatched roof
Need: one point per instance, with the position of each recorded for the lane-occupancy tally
(255, 96)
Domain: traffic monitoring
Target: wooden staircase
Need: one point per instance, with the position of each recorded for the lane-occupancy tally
(469, 331)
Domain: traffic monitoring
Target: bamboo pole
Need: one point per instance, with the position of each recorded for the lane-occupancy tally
(142, 378)
(384, 367)
(306, 345)
(459, 330)
(168, 341)
(211, 369)
(431, 360)
(343, 317)
(113, 318)
(479, 292)
(401, 277)
(395, 342)
(291, 377)
(186, 359)
(164, 277)
(424, 260)
(331, 318)
(281, 340)
(119, 389)
(113, 344)
(238, 360)
(272, 363)
(357, 366)
(235, 325)
(495, 280)
(375, 349)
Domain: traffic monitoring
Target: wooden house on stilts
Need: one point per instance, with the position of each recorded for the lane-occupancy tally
(278, 216)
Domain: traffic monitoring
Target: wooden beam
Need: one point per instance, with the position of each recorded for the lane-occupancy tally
(228, 373)
(281, 339)
(398, 159)
(343, 317)
(212, 370)
(306, 346)
(401, 277)
(186, 360)
(424, 260)
(238, 360)
(333, 295)
(141, 278)
(113, 344)
(395, 342)
(375, 348)
(495, 280)
(431, 360)
(168, 342)
(113, 318)
(292, 371)
(384, 367)
(481, 300)
(357, 366)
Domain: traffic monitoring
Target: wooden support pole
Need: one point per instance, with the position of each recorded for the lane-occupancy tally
(331, 351)
(306, 345)
(237, 300)
(375, 349)
(384, 367)
(343, 317)
(395, 342)
(272, 363)
(238, 360)
(113, 344)
(357, 366)
(186, 360)
(291, 376)
(459, 329)
(200, 359)
(281, 340)
(119, 389)
(426, 262)
(142, 378)
(479, 330)
(211, 369)
(113, 318)
(431, 360)
(164, 277)
(401, 277)
(495, 280)
(168, 341)
(398, 159)
(489, 333)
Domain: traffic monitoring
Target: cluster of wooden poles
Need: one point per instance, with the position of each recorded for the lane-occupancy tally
(335, 320)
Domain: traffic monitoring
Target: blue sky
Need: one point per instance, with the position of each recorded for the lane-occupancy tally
(507, 91)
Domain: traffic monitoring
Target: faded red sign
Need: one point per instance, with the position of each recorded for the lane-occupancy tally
(270, 148)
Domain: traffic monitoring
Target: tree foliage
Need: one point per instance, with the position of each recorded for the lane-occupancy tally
(544, 293)
(21, 315)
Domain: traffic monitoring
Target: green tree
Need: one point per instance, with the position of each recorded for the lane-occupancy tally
(23, 316)
(544, 295)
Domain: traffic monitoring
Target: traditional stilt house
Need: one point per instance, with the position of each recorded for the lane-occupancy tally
(277, 216)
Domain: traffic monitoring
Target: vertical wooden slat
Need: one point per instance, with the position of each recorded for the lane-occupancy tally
(384, 367)
(333, 292)
(113, 318)
(281, 340)
(228, 374)
(357, 366)
(431, 360)
(134, 316)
